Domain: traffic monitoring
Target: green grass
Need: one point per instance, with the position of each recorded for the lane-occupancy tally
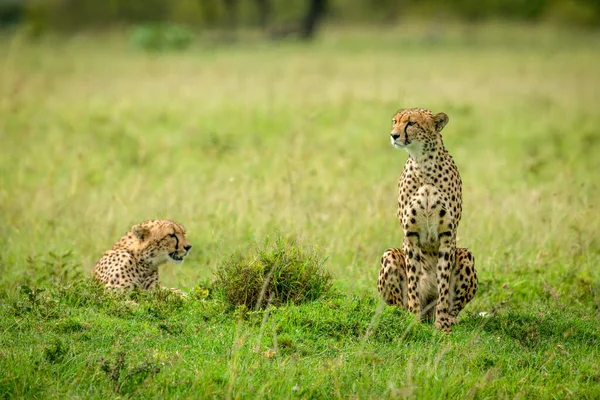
(241, 141)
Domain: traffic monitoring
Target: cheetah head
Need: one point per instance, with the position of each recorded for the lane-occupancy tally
(416, 130)
(161, 241)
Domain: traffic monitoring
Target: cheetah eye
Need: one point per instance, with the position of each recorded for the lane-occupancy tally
(410, 123)
(172, 235)
(393, 122)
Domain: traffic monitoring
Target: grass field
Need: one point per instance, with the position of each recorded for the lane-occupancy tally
(246, 140)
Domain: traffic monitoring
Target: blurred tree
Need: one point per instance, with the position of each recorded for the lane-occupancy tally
(315, 13)
(264, 8)
(308, 25)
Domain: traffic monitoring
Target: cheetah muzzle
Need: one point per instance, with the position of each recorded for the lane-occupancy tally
(176, 258)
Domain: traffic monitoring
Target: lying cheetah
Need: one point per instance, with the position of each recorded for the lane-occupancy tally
(134, 260)
(429, 276)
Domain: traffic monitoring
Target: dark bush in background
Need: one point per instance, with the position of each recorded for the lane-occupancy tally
(283, 15)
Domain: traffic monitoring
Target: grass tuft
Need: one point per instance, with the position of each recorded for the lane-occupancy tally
(56, 351)
(278, 272)
(124, 376)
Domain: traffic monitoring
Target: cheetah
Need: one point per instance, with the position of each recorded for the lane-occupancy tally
(134, 260)
(429, 276)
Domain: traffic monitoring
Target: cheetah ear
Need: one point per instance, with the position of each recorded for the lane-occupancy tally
(440, 120)
(141, 232)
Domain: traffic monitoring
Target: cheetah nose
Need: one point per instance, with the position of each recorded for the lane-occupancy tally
(394, 136)
(187, 247)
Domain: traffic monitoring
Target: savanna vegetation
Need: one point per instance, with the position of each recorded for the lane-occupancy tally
(279, 154)
(286, 16)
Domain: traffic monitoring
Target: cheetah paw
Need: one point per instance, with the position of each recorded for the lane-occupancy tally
(443, 325)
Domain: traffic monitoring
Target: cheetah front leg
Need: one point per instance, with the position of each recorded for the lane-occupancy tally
(412, 260)
(446, 258)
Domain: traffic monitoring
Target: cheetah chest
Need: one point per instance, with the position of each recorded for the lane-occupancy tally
(421, 218)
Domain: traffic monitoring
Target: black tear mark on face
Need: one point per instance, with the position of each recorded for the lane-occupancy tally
(409, 123)
(174, 236)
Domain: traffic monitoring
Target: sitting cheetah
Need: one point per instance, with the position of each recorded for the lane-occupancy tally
(429, 276)
(134, 260)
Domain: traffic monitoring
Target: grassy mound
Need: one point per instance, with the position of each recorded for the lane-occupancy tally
(279, 272)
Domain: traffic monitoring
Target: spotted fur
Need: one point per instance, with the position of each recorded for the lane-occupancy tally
(429, 276)
(134, 260)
